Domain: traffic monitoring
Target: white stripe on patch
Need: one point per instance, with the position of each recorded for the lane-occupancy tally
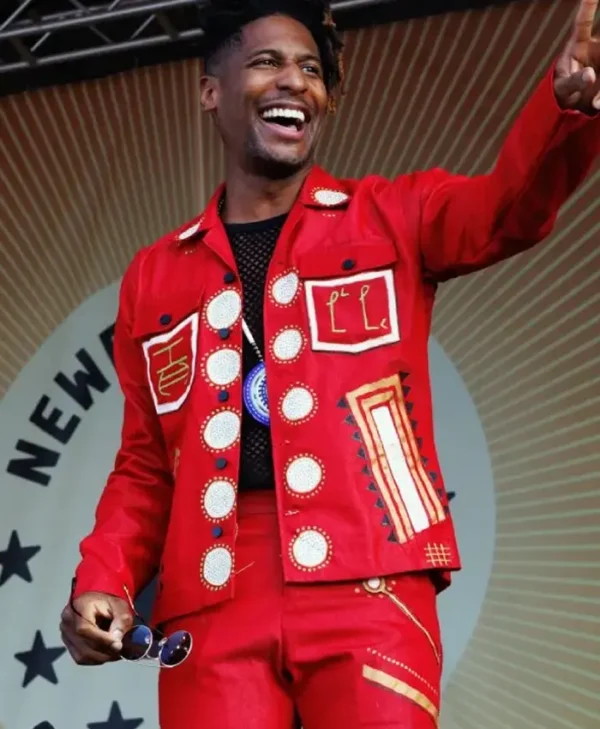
(399, 469)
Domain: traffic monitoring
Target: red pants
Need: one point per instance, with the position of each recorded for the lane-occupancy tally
(343, 656)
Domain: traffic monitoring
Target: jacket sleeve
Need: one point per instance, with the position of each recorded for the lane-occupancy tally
(468, 223)
(125, 546)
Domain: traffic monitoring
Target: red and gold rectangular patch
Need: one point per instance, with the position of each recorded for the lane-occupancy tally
(410, 498)
(171, 364)
(353, 313)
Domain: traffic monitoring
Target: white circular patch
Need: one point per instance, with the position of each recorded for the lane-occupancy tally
(303, 475)
(217, 566)
(223, 366)
(297, 404)
(189, 232)
(285, 288)
(330, 197)
(287, 345)
(224, 310)
(222, 430)
(219, 499)
(310, 549)
(374, 583)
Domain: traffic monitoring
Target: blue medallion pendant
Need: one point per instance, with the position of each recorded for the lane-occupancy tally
(255, 394)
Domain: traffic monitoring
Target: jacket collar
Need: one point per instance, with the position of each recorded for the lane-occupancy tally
(320, 190)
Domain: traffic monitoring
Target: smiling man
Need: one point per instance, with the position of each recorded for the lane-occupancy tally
(277, 468)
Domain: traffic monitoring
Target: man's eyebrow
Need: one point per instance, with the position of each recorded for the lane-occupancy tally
(279, 54)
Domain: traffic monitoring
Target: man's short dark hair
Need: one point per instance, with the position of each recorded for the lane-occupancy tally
(224, 21)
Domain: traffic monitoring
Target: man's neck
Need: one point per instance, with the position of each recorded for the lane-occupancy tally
(250, 198)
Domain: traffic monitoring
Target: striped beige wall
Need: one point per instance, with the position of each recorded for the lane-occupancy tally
(93, 172)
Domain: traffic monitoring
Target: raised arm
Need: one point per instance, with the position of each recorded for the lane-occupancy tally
(468, 223)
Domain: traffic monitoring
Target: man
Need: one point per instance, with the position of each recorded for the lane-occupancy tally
(277, 467)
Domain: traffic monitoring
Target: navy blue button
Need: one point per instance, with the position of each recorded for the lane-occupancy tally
(166, 319)
(348, 264)
(221, 463)
(217, 532)
(229, 277)
(224, 333)
(223, 396)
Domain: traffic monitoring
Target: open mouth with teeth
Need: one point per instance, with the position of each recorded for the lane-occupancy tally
(293, 120)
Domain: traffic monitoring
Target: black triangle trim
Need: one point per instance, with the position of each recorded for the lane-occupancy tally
(433, 476)
(419, 442)
(379, 504)
(343, 403)
(361, 453)
(372, 487)
(406, 390)
(366, 470)
(350, 420)
(356, 436)
(409, 407)
(404, 375)
(393, 538)
(385, 521)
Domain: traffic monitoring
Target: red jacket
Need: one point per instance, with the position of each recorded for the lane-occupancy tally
(347, 314)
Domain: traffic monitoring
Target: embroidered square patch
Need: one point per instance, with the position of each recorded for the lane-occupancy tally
(352, 313)
(171, 364)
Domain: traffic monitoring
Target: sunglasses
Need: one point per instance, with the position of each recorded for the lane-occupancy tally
(141, 642)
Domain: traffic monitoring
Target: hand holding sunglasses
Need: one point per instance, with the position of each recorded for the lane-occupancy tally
(101, 629)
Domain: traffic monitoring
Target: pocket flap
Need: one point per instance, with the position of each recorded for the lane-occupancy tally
(346, 259)
(161, 316)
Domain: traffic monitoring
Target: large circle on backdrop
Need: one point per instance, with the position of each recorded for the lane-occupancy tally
(58, 515)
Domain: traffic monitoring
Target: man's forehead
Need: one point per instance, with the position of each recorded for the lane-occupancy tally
(280, 33)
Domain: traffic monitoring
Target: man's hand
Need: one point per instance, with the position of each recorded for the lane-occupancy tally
(93, 626)
(577, 77)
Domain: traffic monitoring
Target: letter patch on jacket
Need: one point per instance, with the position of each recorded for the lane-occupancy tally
(171, 364)
(353, 313)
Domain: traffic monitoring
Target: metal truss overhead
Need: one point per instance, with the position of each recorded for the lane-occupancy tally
(57, 41)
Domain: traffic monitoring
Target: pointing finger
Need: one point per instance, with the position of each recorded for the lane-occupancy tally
(584, 20)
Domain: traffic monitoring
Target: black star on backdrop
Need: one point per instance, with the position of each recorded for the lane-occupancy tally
(115, 720)
(44, 725)
(14, 560)
(38, 661)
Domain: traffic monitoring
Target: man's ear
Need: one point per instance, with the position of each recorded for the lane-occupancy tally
(209, 92)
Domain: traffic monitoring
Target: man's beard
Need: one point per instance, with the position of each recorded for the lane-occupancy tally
(262, 162)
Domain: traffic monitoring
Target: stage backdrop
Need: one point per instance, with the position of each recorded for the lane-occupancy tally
(92, 172)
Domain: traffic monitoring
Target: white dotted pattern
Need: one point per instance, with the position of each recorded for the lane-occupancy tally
(222, 430)
(287, 345)
(310, 549)
(224, 310)
(330, 197)
(217, 567)
(285, 288)
(303, 475)
(219, 499)
(297, 404)
(223, 367)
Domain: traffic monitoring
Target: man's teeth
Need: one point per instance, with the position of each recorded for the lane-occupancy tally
(295, 114)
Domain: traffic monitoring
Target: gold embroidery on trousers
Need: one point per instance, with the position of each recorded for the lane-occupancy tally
(378, 586)
(384, 679)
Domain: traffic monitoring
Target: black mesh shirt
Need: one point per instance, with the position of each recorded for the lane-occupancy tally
(253, 245)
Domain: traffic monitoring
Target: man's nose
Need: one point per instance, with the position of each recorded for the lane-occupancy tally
(292, 78)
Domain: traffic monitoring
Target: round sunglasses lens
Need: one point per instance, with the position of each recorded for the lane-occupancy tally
(136, 643)
(176, 649)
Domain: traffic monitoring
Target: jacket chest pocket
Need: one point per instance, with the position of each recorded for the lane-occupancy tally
(168, 337)
(351, 300)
